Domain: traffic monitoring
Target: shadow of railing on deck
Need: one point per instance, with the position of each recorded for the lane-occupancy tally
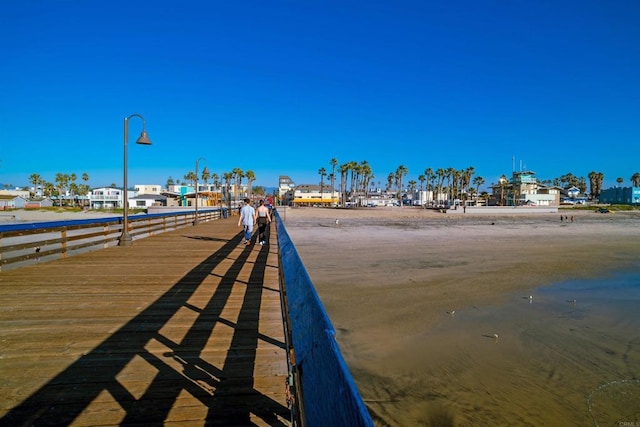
(177, 366)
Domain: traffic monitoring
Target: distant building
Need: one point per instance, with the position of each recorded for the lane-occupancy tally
(143, 201)
(22, 193)
(106, 198)
(147, 189)
(523, 189)
(8, 201)
(310, 195)
(208, 194)
(620, 196)
(38, 202)
(286, 187)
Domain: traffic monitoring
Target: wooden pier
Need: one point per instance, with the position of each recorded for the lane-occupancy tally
(182, 328)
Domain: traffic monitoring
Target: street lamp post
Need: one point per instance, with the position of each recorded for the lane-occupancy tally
(125, 238)
(195, 221)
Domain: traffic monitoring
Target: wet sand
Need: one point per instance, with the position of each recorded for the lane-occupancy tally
(417, 298)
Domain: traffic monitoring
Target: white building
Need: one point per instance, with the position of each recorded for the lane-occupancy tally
(112, 198)
(106, 198)
(147, 189)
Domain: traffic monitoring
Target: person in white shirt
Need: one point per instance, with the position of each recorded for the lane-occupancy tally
(247, 220)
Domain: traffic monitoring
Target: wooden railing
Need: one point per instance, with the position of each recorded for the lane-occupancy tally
(26, 243)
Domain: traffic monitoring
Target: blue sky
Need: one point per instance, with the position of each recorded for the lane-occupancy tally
(282, 87)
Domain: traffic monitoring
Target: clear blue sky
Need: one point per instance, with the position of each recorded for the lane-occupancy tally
(282, 87)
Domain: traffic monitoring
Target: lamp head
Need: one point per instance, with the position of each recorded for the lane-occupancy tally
(144, 139)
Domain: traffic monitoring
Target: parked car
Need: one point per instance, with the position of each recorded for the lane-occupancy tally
(604, 210)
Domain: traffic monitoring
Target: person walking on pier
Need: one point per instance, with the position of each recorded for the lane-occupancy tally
(248, 220)
(264, 219)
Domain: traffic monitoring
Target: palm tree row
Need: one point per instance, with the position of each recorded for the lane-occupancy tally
(63, 182)
(355, 179)
(225, 182)
(449, 182)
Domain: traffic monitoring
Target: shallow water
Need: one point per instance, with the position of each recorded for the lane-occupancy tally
(567, 354)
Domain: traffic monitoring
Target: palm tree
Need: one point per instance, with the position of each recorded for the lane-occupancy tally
(251, 176)
(238, 174)
(619, 180)
(390, 179)
(170, 182)
(366, 175)
(332, 177)
(352, 181)
(467, 175)
(449, 175)
(401, 172)
(412, 188)
(228, 176)
(48, 189)
(73, 187)
(428, 172)
(635, 179)
(332, 180)
(216, 180)
(344, 173)
(35, 179)
(478, 181)
(192, 178)
(322, 172)
(595, 181)
(440, 173)
(205, 175)
(62, 180)
(422, 179)
(84, 187)
(73, 190)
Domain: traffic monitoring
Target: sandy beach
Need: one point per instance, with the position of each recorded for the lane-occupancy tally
(37, 215)
(452, 319)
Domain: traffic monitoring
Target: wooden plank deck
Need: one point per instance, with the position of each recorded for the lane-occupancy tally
(182, 328)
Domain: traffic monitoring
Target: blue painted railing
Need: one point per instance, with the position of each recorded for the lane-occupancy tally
(325, 392)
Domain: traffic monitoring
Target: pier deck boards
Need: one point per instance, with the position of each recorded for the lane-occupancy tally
(182, 328)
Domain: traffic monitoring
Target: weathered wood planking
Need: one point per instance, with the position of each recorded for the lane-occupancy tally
(181, 328)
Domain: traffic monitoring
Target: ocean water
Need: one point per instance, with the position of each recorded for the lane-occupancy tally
(565, 354)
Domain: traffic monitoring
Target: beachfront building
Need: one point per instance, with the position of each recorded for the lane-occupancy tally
(523, 189)
(38, 202)
(143, 201)
(113, 197)
(376, 197)
(285, 190)
(22, 193)
(620, 196)
(315, 195)
(208, 194)
(9, 201)
(106, 198)
(147, 189)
